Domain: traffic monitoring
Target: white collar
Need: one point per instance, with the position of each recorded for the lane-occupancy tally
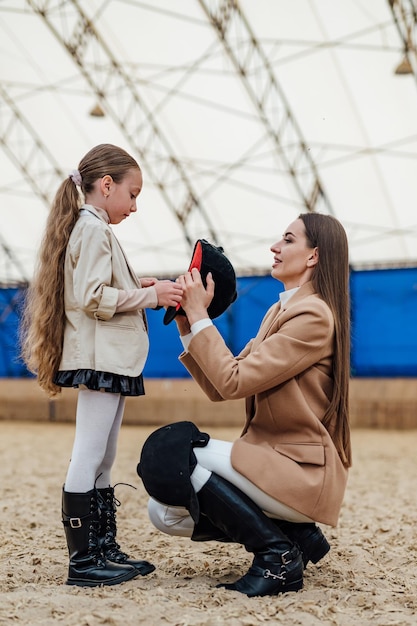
(284, 296)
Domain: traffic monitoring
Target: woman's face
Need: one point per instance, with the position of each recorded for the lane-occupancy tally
(294, 259)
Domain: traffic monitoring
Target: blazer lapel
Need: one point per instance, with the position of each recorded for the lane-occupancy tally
(271, 320)
(266, 325)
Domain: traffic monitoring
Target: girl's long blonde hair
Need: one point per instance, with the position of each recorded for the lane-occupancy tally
(43, 319)
(331, 280)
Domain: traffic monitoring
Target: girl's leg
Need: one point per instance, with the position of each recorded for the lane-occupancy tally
(81, 516)
(104, 471)
(96, 413)
(99, 417)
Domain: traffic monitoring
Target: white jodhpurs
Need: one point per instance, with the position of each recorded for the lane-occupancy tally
(215, 457)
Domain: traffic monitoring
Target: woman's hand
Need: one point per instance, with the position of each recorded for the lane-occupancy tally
(183, 324)
(195, 297)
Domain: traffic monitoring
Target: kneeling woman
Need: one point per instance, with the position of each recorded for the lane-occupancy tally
(289, 468)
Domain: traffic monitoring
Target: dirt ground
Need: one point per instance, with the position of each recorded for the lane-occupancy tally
(369, 576)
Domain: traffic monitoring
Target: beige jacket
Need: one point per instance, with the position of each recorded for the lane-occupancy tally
(285, 375)
(96, 336)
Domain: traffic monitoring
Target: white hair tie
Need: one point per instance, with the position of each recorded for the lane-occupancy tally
(75, 177)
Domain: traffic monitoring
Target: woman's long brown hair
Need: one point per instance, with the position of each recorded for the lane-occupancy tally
(331, 281)
(43, 320)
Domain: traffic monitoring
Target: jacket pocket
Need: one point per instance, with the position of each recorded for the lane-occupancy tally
(308, 453)
(121, 346)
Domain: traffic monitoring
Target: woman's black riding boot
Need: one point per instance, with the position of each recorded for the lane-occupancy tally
(308, 537)
(204, 530)
(87, 566)
(107, 533)
(277, 566)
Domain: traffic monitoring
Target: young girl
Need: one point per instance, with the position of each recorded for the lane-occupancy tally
(84, 326)
(289, 468)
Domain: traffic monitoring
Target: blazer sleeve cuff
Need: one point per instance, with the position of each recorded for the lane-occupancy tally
(108, 303)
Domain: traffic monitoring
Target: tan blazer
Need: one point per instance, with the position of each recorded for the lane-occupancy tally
(285, 375)
(96, 336)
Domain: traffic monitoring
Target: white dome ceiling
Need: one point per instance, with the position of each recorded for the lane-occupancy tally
(234, 136)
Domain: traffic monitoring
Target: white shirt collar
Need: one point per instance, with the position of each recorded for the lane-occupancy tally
(284, 296)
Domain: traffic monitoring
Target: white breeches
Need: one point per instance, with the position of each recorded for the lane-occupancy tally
(215, 457)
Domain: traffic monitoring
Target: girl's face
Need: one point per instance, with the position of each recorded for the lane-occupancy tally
(120, 198)
(294, 260)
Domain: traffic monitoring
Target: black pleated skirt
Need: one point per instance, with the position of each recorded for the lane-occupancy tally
(101, 381)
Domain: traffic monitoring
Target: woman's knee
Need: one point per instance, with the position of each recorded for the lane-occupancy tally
(171, 520)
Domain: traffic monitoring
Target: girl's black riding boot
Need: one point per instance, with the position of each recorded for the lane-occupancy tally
(87, 566)
(107, 534)
(308, 537)
(277, 566)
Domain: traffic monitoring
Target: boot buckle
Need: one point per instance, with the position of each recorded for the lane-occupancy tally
(286, 557)
(75, 522)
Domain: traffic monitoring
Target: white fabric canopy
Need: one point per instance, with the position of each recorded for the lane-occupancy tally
(333, 67)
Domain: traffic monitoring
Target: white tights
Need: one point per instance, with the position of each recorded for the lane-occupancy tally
(215, 457)
(98, 420)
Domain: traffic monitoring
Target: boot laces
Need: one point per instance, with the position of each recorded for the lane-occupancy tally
(115, 502)
(108, 507)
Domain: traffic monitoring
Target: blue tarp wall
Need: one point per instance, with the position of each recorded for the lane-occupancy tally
(10, 303)
(384, 325)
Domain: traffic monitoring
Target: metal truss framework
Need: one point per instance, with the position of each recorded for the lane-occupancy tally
(119, 97)
(26, 150)
(252, 66)
(405, 17)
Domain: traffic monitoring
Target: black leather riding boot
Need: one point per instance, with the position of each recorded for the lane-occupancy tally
(204, 530)
(107, 533)
(308, 537)
(87, 566)
(277, 566)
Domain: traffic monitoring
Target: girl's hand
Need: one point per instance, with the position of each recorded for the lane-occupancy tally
(169, 293)
(148, 281)
(195, 298)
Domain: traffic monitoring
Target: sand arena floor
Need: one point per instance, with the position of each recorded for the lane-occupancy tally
(369, 577)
